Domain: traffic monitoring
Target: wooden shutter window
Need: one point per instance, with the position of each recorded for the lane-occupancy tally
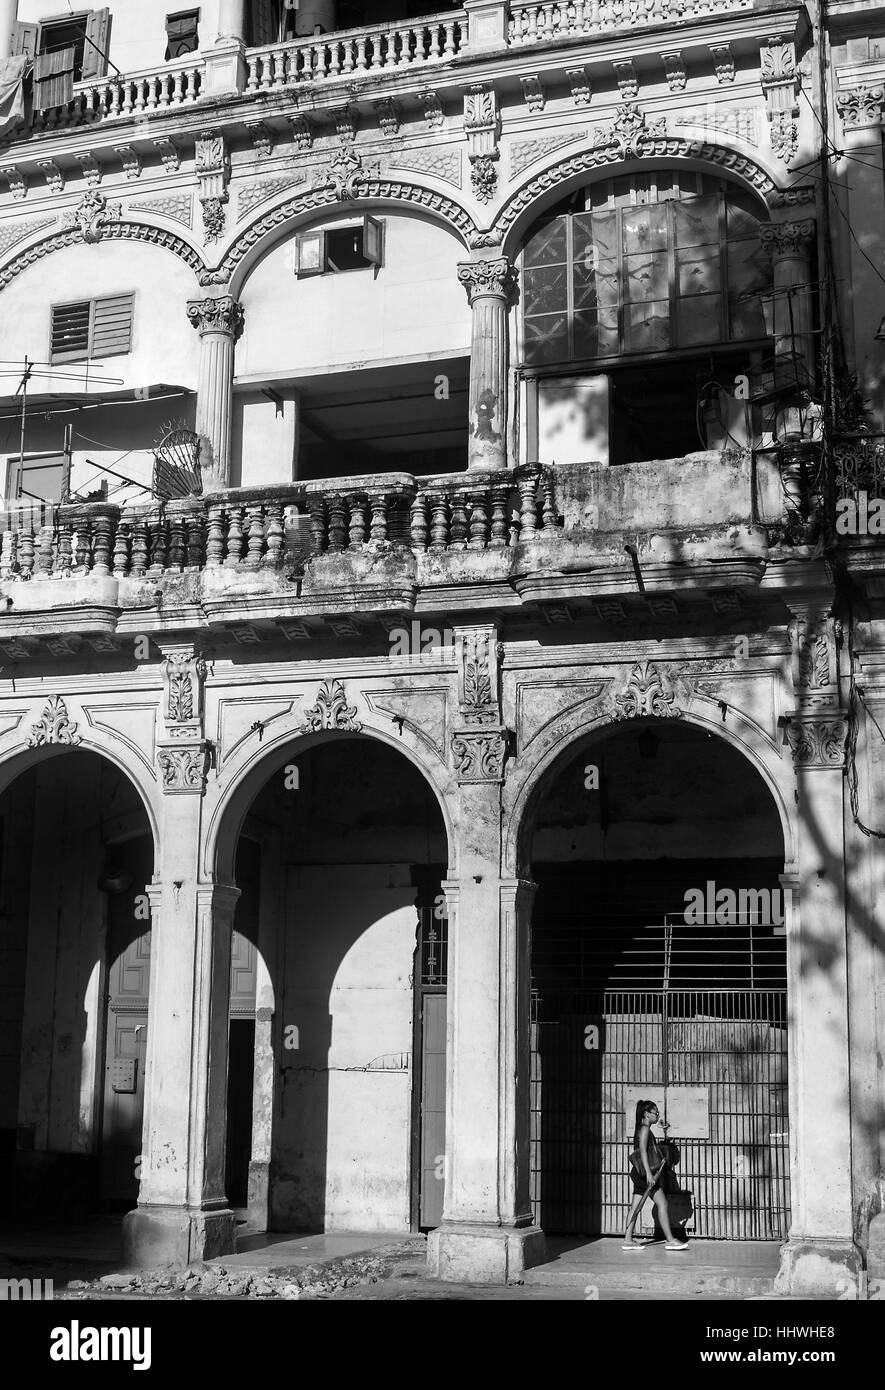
(310, 253)
(24, 39)
(95, 48)
(112, 326)
(373, 240)
(70, 331)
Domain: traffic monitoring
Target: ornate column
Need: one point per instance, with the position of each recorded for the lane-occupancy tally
(789, 245)
(820, 1255)
(182, 1212)
(489, 285)
(219, 322)
(486, 1235)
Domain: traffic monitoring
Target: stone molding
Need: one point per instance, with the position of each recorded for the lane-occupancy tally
(495, 278)
(54, 726)
(648, 694)
(331, 711)
(183, 769)
(216, 314)
(478, 755)
(816, 742)
(787, 238)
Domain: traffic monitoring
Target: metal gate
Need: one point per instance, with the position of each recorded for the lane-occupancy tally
(714, 1060)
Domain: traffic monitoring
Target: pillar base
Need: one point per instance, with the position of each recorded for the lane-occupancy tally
(876, 1259)
(259, 1195)
(224, 73)
(820, 1269)
(173, 1237)
(477, 1254)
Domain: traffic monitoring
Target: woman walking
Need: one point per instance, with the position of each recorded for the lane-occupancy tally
(645, 1175)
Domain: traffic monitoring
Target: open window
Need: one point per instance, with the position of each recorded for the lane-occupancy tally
(352, 245)
(182, 33)
(35, 478)
(77, 47)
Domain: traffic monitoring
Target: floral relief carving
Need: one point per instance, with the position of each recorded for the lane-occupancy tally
(647, 694)
(818, 742)
(479, 755)
(183, 769)
(331, 711)
(92, 214)
(54, 726)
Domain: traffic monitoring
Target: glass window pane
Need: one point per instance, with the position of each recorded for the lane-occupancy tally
(647, 326)
(546, 245)
(645, 228)
(745, 317)
(646, 276)
(546, 338)
(596, 333)
(545, 289)
(741, 214)
(698, 270)
(697, 221)
(748, 267)
(698, 319)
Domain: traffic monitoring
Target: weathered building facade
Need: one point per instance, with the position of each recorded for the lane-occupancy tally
(353, 794)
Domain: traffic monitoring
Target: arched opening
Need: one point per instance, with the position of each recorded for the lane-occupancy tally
(76, 855)
(659, 973)
(643, 298)
(339, 861)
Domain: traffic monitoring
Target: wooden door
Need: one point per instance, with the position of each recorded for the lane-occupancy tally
(127, 1016)
(433, 1109)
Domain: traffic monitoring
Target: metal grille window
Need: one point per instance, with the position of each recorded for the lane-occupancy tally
(91, 328)
(644, 270)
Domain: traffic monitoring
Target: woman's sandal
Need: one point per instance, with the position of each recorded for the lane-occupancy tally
(634, 1245)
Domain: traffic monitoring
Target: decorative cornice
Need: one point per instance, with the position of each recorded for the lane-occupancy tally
(216, 314)
(483, 278)
(54, 726)
(331, 711)
(115, 231)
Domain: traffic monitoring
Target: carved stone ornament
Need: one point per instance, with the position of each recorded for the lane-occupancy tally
(331, 711)
(723, 62)
(478, 755)
(345, 173)
(53, 726)
(786, 238)
(496, 277)
(779, 75)
(183, 769)
(818, 742)
(674, 67)
(859, 106)
(812, 647)
(216, 314)
(482, 126)
(184, 673)
(92, 214)
(628, 130)
(648, 694)
(479, 678)
(433, 112)
(213, 172)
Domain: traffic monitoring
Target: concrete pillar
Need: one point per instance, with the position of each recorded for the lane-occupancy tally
(314, 17)
(486, 1235)
(489, 285)
(182, 1212)
(268, 1031)
(232, 20)
(789, 244)
(8, 18)
(219, 322)
(820, 1256)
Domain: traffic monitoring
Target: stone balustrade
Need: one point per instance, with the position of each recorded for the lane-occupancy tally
(380, 47)
(404, 46)
(252, 529)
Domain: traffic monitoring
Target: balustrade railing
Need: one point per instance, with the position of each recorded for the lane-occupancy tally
(179, 84)
(252, 530)
(380, 46)
(537, 23)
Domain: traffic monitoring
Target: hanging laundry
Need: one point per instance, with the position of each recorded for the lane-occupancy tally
(54, 78)
(12, 101)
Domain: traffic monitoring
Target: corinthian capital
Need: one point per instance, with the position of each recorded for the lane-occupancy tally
(496, 277)
(787, 238)
(218, 314)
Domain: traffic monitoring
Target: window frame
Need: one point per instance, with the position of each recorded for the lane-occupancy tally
(56, 360)
(17, 464)
(604, 361)
(373, 229)
(197, 14)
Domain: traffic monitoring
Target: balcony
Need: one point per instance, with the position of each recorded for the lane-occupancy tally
(412, 48)
(588, 542)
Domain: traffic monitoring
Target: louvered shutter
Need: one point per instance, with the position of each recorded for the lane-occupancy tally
(24, 40)
(70, 331)
(95, 48)
(112, 326)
